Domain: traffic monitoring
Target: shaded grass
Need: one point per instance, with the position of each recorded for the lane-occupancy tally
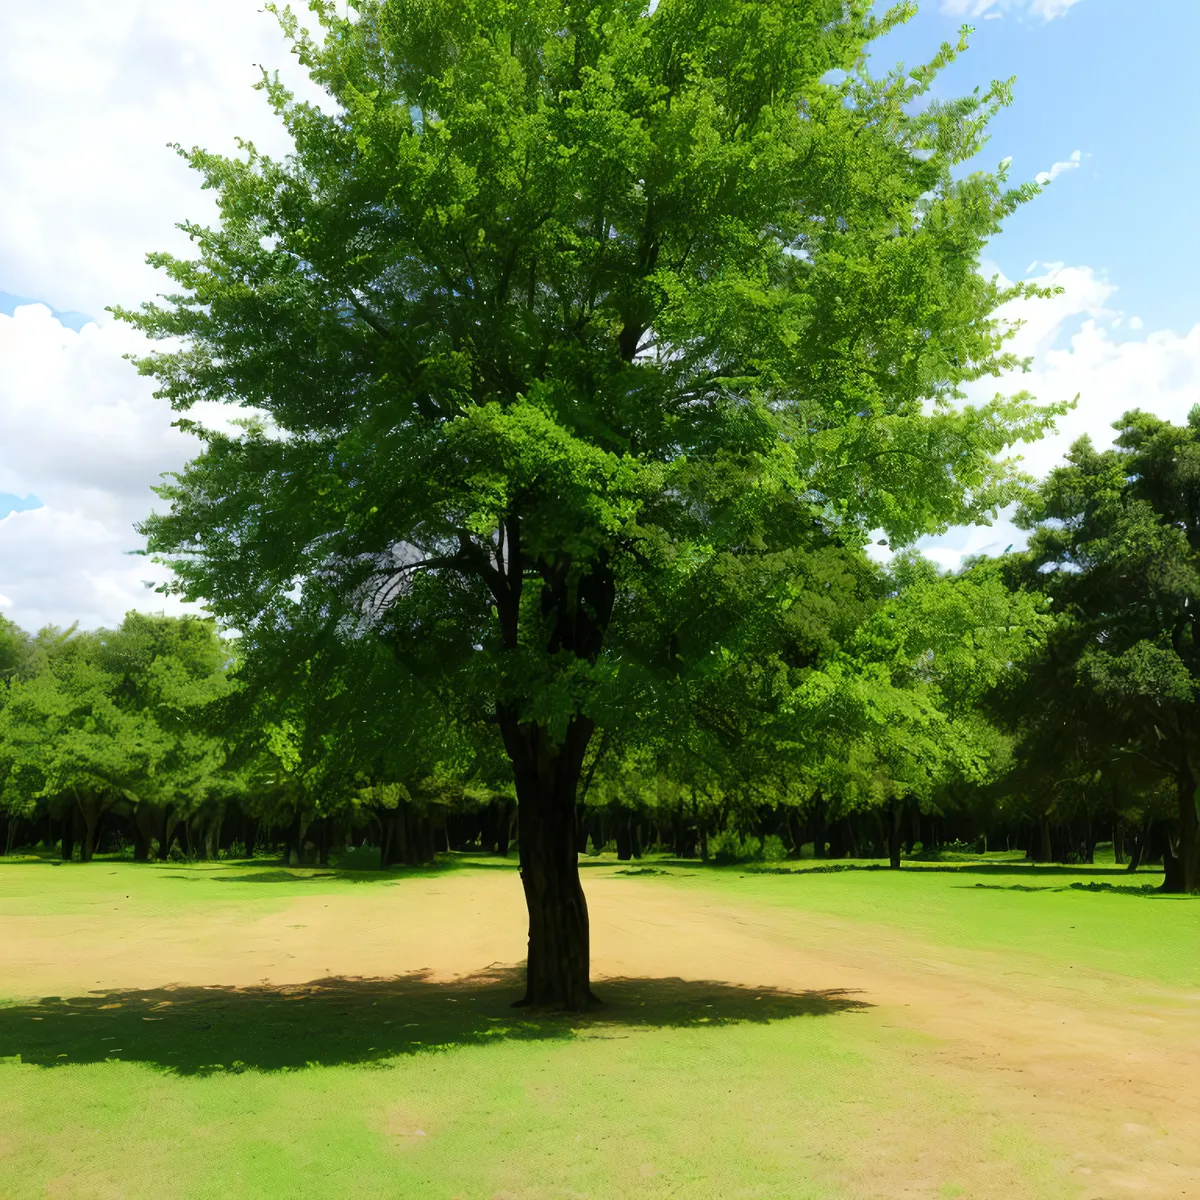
(199, 1030)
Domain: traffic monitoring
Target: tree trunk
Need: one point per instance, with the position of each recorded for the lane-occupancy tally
(70, 817)
(897, 815)
(296, 839)
(1181, 869)
(795, 829)
(1118, 842)
(1140, 840)
(167, 837)
(1046, 850)
(147, 820)
(547, 777)
(624, 822)
(212, 836)
(503, 827)
(91, 808)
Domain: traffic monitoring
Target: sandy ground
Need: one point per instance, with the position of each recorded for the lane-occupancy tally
(1107, 1068)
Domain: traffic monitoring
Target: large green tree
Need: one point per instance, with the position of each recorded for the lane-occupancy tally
(1116, 545)
(566, 318)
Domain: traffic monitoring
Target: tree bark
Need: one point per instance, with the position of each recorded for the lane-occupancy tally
(69, 819)
(503, 827)
(1181, 869)
(1140, 841)
(897, 815)
(147, 819)
(547, 776)
(170, 830)
(624, 821)
(91, 808)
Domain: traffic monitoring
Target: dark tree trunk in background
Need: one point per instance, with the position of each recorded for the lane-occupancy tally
(1141, 838)
(1174, 879)
(147, 822)
(91, 808)
(819, 833)
(624, 823)
(547, 777)
(896, 817)
(1045, 850)
(1181, 854)
(837, 838)
(1118, 841)
(1184, 874)
(170, 828)
(393, 842)
(69, 820)
(795, 829)
(504, 820)
(251, 837)
(295, 851)
(1089, 841)
(212, 835)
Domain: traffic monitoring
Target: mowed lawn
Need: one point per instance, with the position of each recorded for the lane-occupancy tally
(244, 1030)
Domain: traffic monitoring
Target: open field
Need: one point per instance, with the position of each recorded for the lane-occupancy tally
(244, 1030)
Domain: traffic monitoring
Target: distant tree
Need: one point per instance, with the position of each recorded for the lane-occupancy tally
(566, 319)
(116, 718)
(1116, 547)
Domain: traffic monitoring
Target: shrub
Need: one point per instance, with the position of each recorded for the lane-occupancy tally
(726, 846)
(773, 849)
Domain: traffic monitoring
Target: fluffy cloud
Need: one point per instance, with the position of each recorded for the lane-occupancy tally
(1056, 169)
(80, 431)
(92, 95)
(1047, 10)
(1077, 345)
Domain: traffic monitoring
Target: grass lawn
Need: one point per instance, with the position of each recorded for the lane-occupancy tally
(808, 1034)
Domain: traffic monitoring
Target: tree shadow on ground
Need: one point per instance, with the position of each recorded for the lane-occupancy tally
(327, 1022)
(1148, 891)
(1021, 869)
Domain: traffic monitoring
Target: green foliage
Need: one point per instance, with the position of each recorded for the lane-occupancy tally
(589, 344)
(1111, 705)
(117, 715)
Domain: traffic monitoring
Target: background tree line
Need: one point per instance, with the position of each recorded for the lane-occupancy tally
(1043, 701)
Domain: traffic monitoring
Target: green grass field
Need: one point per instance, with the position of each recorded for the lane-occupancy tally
(707, 1080)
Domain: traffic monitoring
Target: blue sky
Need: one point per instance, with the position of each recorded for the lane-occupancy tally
(1117, 81)
(93, 93)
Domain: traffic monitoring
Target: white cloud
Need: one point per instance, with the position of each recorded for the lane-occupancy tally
(1071, 340)
(1056, 169)
(92, 94)
(991, 9)
(81, 430)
